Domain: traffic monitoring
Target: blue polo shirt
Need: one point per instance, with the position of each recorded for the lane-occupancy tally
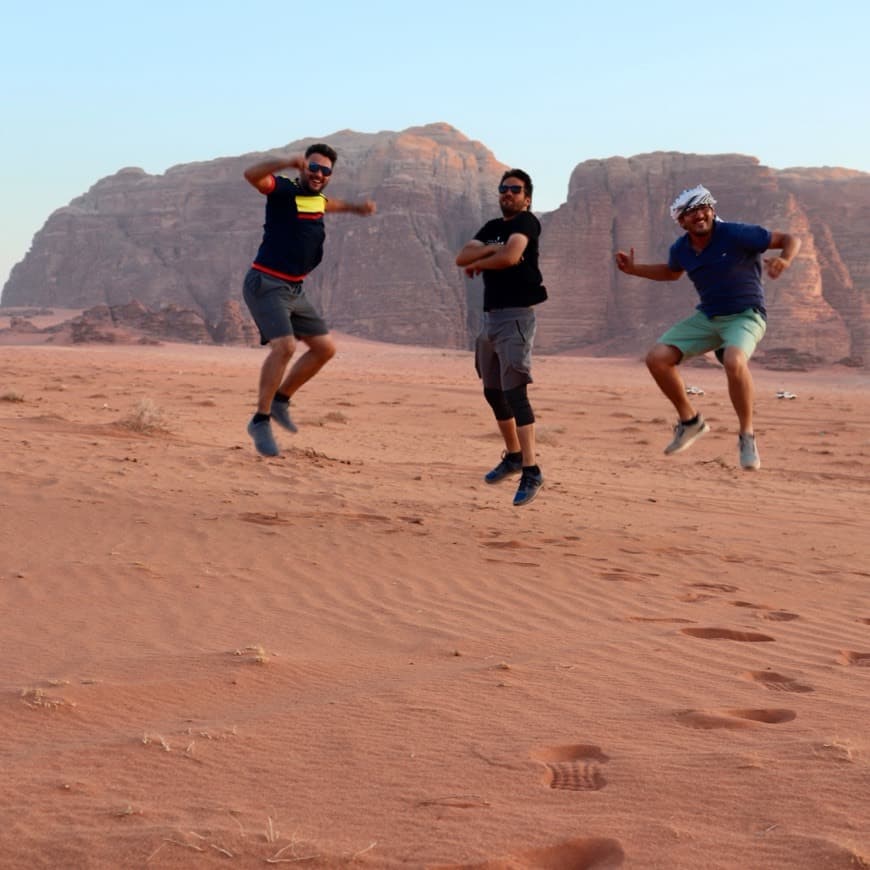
(727, 273)
(294, 232)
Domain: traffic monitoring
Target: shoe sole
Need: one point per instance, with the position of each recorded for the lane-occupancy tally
(688, 442)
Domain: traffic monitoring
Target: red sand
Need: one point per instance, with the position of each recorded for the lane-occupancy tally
(360, 655)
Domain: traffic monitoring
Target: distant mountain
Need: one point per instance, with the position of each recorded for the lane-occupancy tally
(186, 238)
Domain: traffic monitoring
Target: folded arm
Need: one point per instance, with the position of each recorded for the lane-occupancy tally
(477, 256)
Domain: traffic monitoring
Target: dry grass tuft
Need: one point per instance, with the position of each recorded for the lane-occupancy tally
(157, 740)
(334, 417)
(37, 698)
(146, 418)
(254, 653)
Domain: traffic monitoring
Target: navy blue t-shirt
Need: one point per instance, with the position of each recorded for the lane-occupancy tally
(519, 286)
(294, 231)
(727, 273)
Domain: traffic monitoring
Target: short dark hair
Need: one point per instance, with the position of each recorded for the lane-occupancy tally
(323, 150)
(523, 176)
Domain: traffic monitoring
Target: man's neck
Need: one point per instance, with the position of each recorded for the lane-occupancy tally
(698, 243)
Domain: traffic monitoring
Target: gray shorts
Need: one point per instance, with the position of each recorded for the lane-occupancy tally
(280, 308)
(503, 352)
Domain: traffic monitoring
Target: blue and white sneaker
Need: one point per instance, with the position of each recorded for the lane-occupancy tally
(530, 486)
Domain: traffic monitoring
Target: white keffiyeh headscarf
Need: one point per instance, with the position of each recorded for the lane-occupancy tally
(691, 198)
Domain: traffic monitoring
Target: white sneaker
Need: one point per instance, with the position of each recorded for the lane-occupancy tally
(686, 434)
(749, 458)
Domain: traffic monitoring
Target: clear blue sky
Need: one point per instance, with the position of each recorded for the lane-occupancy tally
(90, 87)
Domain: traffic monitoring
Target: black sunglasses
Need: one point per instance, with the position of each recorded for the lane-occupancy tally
(319, 167)
(513, 188)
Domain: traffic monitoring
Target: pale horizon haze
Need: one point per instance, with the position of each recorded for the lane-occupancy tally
(93, 87)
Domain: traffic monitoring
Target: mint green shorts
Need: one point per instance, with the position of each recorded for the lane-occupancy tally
(699, 334)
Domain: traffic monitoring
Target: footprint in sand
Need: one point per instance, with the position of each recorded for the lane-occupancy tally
(262, 519)
(716, 587)
(707, 720)
(767, 612)
(583, 853)
(728, 634)
(621, 576)
(777, 682)
(662, 619)
(779, 615)
(693, 597)
(575, 767)
(860, 659)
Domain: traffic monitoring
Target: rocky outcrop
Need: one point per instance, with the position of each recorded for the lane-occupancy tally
(188, 236)
(185, 239)
(134, 323)
(623, 203)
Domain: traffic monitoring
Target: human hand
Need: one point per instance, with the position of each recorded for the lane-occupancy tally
(625, 262)
(775, 266)
(366, 208)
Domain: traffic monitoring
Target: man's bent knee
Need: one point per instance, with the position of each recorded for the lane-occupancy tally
(283, 346)
(518, 400)
(662, 356)
(321, 345)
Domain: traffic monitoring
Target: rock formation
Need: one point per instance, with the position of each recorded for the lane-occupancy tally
(180, 243)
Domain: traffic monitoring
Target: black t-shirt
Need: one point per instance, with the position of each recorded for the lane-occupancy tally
(293, 234)
(518, 286)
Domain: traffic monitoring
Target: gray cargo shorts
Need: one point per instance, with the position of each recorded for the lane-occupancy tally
(503, 351)
(280, 307)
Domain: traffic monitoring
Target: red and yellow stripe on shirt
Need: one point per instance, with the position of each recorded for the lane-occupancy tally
(310, 208)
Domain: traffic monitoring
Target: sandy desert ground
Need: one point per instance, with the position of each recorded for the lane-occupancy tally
(360, 655)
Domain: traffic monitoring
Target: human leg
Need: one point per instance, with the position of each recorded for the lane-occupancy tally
(272, 371)
(695, 335)
(508, 429)
(511, 457)
(662, 361)
(321, 349)
(514, 349)
(269, 301)
(741, 389)
(741, 334)
(502, 360)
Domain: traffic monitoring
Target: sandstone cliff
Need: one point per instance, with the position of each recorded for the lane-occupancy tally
(622, 203)
(188, 236)
(185, 238)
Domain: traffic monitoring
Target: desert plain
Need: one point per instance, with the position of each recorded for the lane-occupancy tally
(360, 655)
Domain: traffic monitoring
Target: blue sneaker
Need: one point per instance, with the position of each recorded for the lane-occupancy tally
(530, 486)
(506, 468)
(264, 440)
(280, 412)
